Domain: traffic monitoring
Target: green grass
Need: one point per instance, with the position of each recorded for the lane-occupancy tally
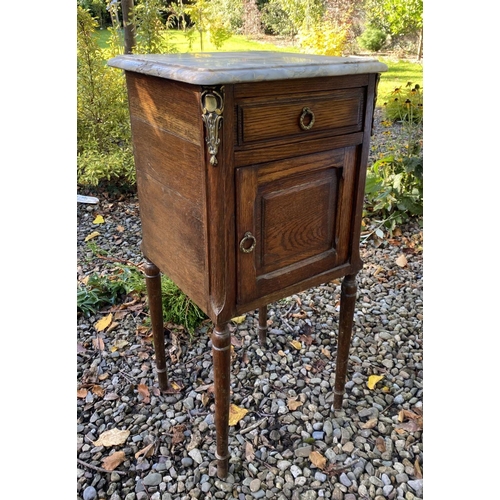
(399, 73)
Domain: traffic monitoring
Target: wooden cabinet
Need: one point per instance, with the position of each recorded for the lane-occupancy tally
(250, 176)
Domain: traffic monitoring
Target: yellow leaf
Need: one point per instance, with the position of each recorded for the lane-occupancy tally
(401, 260)
(92, 235)
(236, 414)
(118, 345)
(175, 386)
(239, 319)
(317, 459)
(372, 381)
(296, 344)
(98, 220)
(114, 460)
(112, 437)
(293, 404)
(103, 323)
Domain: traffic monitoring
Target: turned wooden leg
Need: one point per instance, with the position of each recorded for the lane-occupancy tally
(153, 287)
(262, 325)
(347, 303)
(221, 352)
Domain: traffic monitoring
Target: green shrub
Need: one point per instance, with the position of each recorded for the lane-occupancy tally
(372, 39)
(104, 149)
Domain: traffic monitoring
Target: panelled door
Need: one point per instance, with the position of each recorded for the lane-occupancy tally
(293, 220)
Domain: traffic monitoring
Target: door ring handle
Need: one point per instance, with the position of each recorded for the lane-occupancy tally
(248, 237)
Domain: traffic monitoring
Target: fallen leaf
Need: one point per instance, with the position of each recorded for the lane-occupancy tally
(380, 444)
(114, 460)
(326, 353)
(145, 452)
(92, 235)
(372, 381)
(81, 393)
(281, 353)
(239, 319)
(143, 390)
(98, 390)
(235, 341)
(307, 339)
(98, 343)
(118, 345)
(418, 470)
(112, 437)
(370, 424)
(103, 376)
(293, 404)
(300, 315)
(401, 260)
(317, 459)
(104, 322)
(236, 414)
(205, 399)
(178, 434)
(249, 452)
(296, 344)
(120, 229)
(98, 220)
(175, 386)
(195, 441)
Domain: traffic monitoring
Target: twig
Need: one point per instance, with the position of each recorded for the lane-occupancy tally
(99, 469)
(251, 427)
(121, 261)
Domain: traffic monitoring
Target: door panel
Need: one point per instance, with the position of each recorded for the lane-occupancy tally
(291, 209)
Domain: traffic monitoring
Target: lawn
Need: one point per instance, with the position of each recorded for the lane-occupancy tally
(398, 74)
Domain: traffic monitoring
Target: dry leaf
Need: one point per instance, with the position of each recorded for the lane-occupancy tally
(418, 470)
(372, 381)
(81, 393)
(235, 341)
(205, 399)
(236, 414)
(98, 390)
(293, 404)
(175, 386)
(300, 315)
(326, 352)
(98, 220)
(178, 434)
(370, 424)
(114, 460)
(296, 344)
(92, 235)
(145, 452)
(281, 353)
(307, 339)
(239, 319)
(112, 437)
(118, 345)
(144, 392)
(120, 229)
(98, 343)
(249, 452)
(103, 323)
(401, 260)
(317, 459)
(195, 441)
(380, 444)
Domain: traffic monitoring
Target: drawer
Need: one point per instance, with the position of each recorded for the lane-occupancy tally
(301, 117)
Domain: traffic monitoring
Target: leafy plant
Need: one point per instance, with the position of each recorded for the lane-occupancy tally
(394, 184)
(372, 39)
(324, 38)
(405, 105)
(110, 289)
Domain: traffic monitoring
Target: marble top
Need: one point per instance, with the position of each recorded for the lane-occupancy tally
(214, 68)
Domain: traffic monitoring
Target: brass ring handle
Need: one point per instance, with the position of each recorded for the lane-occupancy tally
(306, 111)
(247, 237)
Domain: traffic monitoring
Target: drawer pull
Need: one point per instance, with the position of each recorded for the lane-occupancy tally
(248, 237)
(306, 111)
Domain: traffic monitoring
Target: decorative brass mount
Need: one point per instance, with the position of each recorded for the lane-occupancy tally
(212, 106)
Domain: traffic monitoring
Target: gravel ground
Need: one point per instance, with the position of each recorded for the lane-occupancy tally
(289, 444)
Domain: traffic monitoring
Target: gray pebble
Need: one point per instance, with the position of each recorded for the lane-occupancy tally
(152, 479)
(89, 493)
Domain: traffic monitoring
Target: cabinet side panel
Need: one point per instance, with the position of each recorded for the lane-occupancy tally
(169, 160)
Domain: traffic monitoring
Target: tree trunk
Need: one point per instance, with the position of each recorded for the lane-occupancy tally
(128, 26)
(420, 45)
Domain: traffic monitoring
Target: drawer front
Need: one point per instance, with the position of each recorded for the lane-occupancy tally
(301, 117)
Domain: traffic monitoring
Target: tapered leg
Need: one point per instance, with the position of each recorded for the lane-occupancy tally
(262, 325)
(221, 352)
(153, 287)
(347, 303)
